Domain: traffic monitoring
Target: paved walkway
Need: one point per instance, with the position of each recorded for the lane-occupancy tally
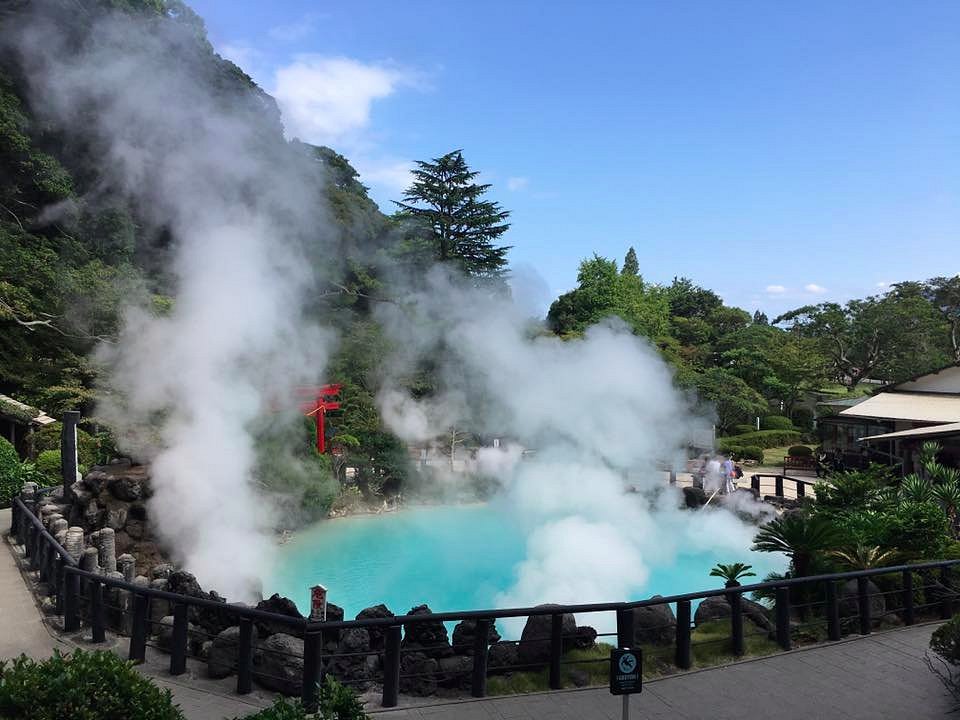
(871, 678)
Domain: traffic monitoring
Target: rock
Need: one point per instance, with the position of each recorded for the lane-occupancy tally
(81, 495)
(654, 624)
(222, 658)
(355, 640)
(162, 571)
(138, 511)
(93, 514)
(534, 648)
(717, 608)
(455, 672)
(694, 497)
(159, 608)
(278, 664)
(165, 635)
(579, 677)
(463, 636)
(125, 487)
(95, 481)
(502, 657)
(117, 518)
(281, 606)
(850, 602)
(136, 529)
(429, 636)
(585, 638)
(348, 666)
(418, 674)
(377, 634)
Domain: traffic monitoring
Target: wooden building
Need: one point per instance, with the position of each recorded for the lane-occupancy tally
(18, 421)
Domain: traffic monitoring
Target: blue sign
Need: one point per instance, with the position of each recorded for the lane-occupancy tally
(626, 671)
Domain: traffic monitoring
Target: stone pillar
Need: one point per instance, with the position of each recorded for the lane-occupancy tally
(127, 565)
(68, 451)
(159, 608)
(74, 543)
(89, 561)
(107, 546)
(57, 526)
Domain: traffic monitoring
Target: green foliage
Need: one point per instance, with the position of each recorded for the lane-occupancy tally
(10, 478)
(743, 429)
(864, 557)
(800, 537)
(776, 422)
(764, 438)
(630, 264)
(282, 709)
(854, 489)
(946, 641)
(338, 702)
(800, 451)
(81, 686)
(733, 573)
(918, 529)
(731, 399)
(48, 438)
(739, 452)
(446, 203)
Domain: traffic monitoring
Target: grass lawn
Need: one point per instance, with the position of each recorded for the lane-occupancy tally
(710, 646)
(772, 457)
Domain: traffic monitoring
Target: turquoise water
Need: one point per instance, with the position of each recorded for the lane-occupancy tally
(451, 558)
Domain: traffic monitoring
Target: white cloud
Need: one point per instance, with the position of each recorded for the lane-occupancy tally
(243, 56)
(776, 289)
(883, 284)
(393, 176)
(295, 31)
(324, 99)
(814, 288)
(515, 184)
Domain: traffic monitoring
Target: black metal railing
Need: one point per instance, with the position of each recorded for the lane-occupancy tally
(809, 609)
(801, 486)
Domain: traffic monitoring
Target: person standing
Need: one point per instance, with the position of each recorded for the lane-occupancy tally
(713, 478)
(729, 472)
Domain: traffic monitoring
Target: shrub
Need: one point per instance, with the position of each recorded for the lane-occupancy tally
(918, 529)
(751, 452)
(945, 642)
(743, 429)
(336, 702)
(81, 686)
(763, 439)
(9, 472)
(776, 422)
(282, 709)
(48, 464)
(799, 451)
(803, 419)
(48, 438)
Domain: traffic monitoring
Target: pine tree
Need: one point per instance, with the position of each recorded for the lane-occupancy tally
(462, 226)
(760, 318)
(630, 264)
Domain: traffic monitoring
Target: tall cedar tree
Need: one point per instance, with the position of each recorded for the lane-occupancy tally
(631, 266)
(464, 227)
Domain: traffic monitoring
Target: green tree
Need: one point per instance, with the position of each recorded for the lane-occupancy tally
(800, 537)
(446, 204)
(733, 400)
(631, 265)
(760, 318)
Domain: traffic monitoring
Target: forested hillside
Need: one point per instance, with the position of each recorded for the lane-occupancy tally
(75, 248)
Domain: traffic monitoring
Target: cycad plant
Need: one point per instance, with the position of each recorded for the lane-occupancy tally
(798, 536)
(732, 573)
(914, 488)
(948, 495)
(864, 557)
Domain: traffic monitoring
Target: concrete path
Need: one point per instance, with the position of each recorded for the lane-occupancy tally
(21, 626)
(872, 678)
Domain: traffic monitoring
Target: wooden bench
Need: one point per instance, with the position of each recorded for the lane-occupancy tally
(799, 462)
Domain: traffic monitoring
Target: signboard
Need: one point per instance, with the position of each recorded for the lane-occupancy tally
(626, 671)
(318, 603)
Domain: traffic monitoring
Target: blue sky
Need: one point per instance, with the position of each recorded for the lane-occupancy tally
(778, 152)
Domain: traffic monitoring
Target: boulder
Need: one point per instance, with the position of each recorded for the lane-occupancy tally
(502, 657)
(579, 677)
(455, 671)
(377, 634)
(95, 480)
(534, 648)
(694, 497)
(418, 674)
(281, 606)
(81, 494)
(655, 624)
(850, 603)
(125, 487)
(463, 636)
(278, 664)
(585, 638)
(222, 658)
(136, 529)
(717, 608)
(428, 636)
(351, 663)
(165, 636)
(117, 518)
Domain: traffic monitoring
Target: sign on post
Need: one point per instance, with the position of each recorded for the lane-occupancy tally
(626, 675)
(318, 603)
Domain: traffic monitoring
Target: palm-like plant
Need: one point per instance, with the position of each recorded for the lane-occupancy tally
(732, 573)
(948, 495)
(864, 557)
(914, 488)
(798, 536)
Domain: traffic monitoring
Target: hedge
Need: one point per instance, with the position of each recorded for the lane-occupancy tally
(800, 451)
(776, 422)
(48, 438)
(738, 452)
(9, 472)
(763, 439)
(743, 429)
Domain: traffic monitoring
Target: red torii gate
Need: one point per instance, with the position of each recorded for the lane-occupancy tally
(317, 401)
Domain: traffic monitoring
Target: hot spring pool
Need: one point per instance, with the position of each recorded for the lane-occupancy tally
(451, 558)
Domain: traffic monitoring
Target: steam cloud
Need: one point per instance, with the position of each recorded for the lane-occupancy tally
(214, 172)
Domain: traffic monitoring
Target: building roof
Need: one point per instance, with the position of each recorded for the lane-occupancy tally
(945, 379)
(916, 433)
(22, 412)
(913, 406)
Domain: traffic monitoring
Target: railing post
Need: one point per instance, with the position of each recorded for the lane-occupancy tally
(833, 611)
(178, 640)
(481, 640)
(71, 601)
(30, 547)
(245, 657)
(863, 600)
(97, 630)
(138, 636)
(58, 581)
(736, 623)
(801, 488)
(673, 476)
(15, 520)
(683, 660)
(556, 649)
(908, 610)
(624, 628)
(312, 644)
(391, 666)
(778, 486)
(783, 618)
(755, 483)
(946, 602)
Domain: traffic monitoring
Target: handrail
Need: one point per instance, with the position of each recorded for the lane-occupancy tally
(803, 481)
(34, 520)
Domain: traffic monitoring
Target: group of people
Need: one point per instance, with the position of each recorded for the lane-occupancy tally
(716, 473)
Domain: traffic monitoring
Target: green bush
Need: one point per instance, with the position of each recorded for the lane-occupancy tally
(946, 641)
(336, 702)
(48, 464)
(776, 422)
(81, 686)
(48, 438)
(763, 439)
(10, 482)
(800, 451)
(917, 529)
(743, 429)
(282, 709)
